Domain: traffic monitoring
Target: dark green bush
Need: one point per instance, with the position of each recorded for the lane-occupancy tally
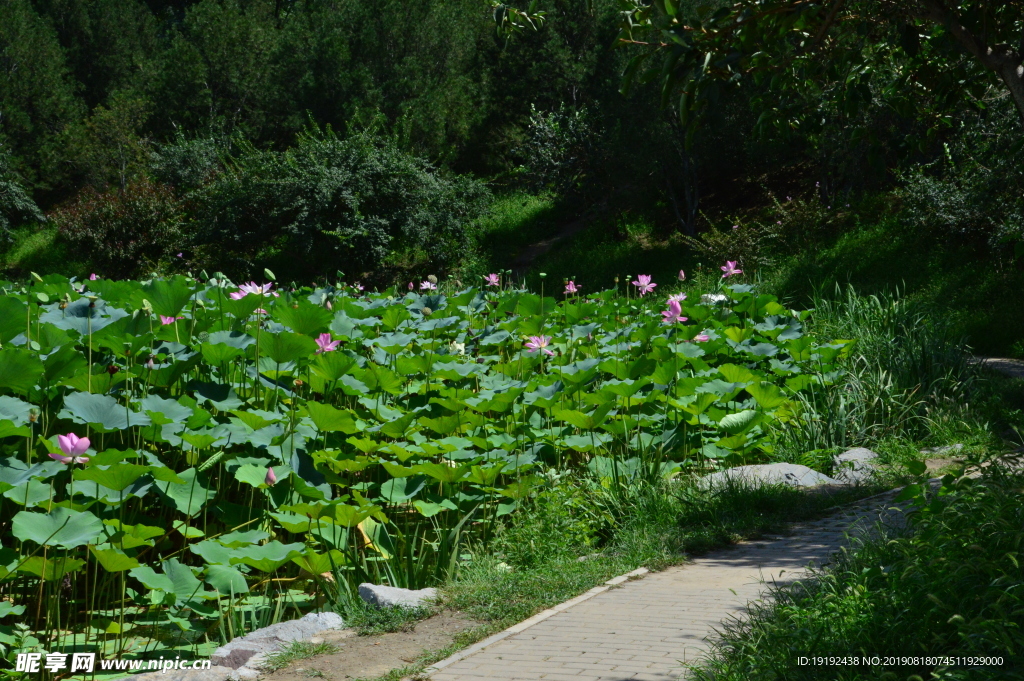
(123, 233)
(332, 203)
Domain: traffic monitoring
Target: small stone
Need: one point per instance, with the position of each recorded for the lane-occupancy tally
(389, 596)
(790, 474)
(245, 674)
(316, 640)
(855, 466)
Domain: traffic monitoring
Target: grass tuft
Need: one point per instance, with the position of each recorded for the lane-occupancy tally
(295, 651)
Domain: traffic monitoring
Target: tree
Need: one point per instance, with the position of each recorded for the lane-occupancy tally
(16, 205)
(37, 99)
(942, 51)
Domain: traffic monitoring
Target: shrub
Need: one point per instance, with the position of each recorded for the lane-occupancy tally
(331, 203)
(187, 164)
(560, 151)
(974, 191)
(123, 233)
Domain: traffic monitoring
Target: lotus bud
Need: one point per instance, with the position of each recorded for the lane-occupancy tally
(411, 286)
(271, 479)
(682, 275)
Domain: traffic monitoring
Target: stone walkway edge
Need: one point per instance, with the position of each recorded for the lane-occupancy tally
(526, 624)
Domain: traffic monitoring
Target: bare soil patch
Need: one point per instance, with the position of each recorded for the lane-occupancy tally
(367, 657)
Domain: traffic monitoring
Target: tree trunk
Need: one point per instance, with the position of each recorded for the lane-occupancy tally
(1005, 61)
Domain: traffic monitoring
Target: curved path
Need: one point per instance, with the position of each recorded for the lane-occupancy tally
(647, 629)
(1014, 368)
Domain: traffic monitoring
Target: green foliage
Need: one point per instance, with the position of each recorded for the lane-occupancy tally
(123, 232)
(16, 205)
(329, 203)
(908, 368)
(37, 94)
(231, 454)
(370, 620)
(295, 651)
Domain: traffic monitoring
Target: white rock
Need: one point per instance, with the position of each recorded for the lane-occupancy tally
(790, 474)
(389, 596)
(245, 674)
(245, 649)
(855, 466)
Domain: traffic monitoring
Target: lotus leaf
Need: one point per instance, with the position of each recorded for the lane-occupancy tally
(267, 557)
(60, 527)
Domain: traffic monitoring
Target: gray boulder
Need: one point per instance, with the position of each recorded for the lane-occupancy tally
(790, 474)
(855, 466)
(242, 651)
(389, 596)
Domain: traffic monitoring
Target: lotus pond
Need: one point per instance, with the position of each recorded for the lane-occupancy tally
(185, 461)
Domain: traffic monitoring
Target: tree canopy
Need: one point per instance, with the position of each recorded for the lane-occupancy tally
(924, 54)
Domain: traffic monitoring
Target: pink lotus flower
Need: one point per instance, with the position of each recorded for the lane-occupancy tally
(729, 269)
(325, 344)
(427, 286)
(271, 479)
(674, 313)
(73, 448)
(328, 305)
(168, 320)
(701, 338)
(678, 297)
(492, 280)
(253, 288)
(534, 343)
(682, 275)
(571, 287)
(644, 284)
(149, 363)
(357, 286)
(179, 255)
(93, 277)
(260, 310)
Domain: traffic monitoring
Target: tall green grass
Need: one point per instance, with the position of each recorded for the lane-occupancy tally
(908, 371)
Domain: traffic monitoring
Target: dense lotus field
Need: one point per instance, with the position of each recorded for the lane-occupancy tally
(186, 460)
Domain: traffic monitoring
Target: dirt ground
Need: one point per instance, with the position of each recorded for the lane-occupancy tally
(366, 657)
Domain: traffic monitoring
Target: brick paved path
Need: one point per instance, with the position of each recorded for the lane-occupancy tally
(644, 630)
